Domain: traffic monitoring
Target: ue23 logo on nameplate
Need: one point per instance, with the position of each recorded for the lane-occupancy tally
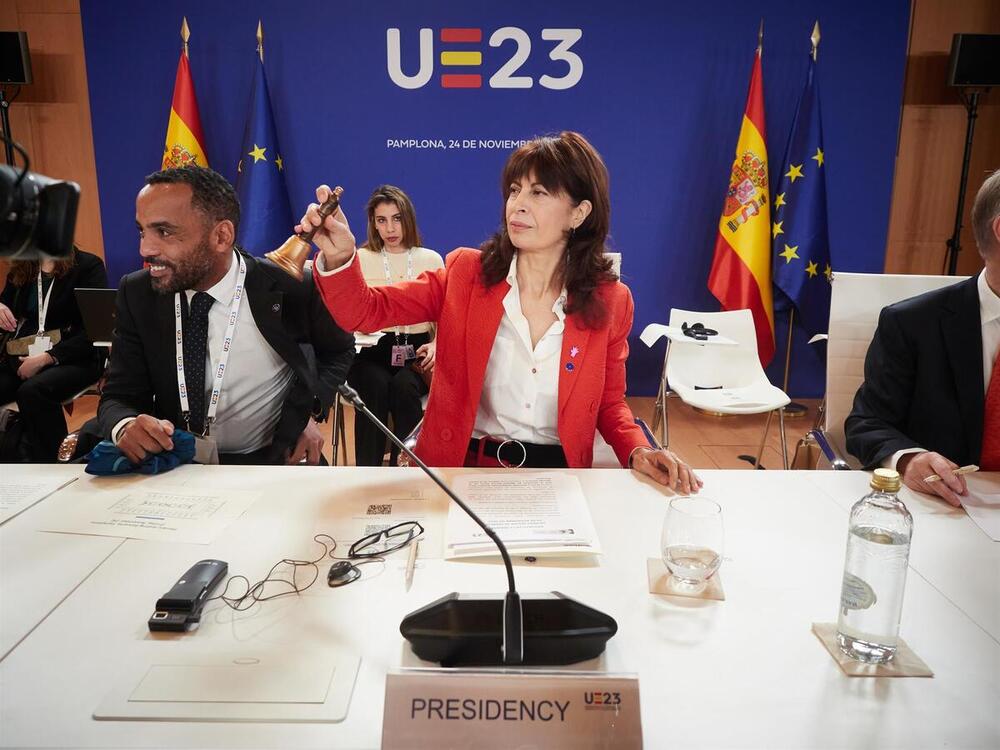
(461, 59)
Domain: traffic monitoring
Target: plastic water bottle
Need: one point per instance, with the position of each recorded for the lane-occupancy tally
(878, 547)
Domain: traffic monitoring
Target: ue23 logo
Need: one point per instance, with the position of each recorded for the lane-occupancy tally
(462, 64)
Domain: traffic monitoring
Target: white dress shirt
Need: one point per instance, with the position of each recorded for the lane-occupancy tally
(257, 379)
(989, 319)
(520, 397)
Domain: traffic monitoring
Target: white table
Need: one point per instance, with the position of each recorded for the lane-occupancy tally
(37, 570)
(746, 672)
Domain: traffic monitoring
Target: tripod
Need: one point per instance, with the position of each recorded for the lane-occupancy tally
(955, 243)
(5, 125)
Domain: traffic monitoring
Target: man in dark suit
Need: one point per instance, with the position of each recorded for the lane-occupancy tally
(261, 356)
(931, 397)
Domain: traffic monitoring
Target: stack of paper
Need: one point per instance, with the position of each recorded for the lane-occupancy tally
(537, 514)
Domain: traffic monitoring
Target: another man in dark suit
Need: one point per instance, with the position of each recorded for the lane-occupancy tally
(261, 356)
(931, 397)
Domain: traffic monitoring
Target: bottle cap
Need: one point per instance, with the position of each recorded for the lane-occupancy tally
(886, 480)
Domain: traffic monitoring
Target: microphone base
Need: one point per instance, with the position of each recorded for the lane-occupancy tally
(461, 630)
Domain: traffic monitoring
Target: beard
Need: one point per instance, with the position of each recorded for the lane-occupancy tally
(187, 272)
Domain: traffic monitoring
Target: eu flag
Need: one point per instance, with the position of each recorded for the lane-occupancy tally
(260, 183)
(799, 240)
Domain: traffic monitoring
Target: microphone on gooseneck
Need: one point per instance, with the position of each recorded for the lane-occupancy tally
(548, 629)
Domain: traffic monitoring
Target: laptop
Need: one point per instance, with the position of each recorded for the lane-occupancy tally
(97, 306)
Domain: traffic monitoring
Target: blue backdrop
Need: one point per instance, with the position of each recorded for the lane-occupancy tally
(661, 95)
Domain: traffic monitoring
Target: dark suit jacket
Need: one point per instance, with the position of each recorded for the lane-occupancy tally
(142, 377)
(923, 380)
(74, 347)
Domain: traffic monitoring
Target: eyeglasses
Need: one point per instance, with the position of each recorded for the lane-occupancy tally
(386, 541)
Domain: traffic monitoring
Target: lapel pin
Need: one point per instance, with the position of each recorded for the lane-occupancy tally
(574, 351)
(569, 366)
(275, 307)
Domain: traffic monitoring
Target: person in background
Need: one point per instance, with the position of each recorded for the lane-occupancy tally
(532, 327)
(393, 375)
(40, 297)
(930, 401)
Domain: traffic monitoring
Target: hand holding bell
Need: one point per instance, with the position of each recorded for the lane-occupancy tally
(294, 252)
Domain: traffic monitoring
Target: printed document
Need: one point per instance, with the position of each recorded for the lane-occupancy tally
(983, 502)
(158, 513)
(533, 513)
(24, 486)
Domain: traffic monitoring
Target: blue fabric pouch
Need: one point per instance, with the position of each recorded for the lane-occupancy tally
(106, 460)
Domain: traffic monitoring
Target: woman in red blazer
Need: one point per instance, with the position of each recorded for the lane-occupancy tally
(532, 328)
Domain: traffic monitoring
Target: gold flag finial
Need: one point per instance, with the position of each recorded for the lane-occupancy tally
(760, 36)
(260, 40)
(185, 33)
(815, 40)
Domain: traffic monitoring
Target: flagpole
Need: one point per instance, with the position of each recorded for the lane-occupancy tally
(260, 40)
(793, 408)
(185, 35)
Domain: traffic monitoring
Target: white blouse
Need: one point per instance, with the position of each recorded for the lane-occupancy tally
(520, 398)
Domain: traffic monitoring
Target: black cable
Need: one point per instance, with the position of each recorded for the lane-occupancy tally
(254, 593)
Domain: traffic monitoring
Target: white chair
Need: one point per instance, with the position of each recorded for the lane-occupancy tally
(856, 301)
(727, 379)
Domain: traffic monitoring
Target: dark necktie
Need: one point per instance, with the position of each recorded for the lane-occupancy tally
(195, 351)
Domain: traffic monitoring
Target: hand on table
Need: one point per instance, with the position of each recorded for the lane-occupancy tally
(915, 467)
(668, 469)
(145, 435)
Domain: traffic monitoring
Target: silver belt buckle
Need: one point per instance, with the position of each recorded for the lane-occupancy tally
(505, 464)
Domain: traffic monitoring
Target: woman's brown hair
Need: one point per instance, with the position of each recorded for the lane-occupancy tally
(408, 216)
(566, 164)
(24, 271)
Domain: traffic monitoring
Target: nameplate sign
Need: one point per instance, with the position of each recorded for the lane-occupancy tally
(452, 708)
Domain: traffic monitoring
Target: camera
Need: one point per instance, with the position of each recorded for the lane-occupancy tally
(37, 215)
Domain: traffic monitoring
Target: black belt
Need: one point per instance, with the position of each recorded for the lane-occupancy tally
(511, 453)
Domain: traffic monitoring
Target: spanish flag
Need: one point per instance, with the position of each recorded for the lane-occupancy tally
(185, 140)
(741, 268)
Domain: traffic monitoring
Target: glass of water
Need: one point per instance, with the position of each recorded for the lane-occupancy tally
(691, 541)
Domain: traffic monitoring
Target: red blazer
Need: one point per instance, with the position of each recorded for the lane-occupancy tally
(591, 392)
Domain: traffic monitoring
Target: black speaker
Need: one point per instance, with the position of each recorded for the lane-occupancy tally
(975, 60)
(15, 59)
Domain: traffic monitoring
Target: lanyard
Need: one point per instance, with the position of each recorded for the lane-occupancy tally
(220, 371)
(388, 280)
(43, 306)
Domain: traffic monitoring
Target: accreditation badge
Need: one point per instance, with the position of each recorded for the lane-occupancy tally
(40, 345)
(206, 450)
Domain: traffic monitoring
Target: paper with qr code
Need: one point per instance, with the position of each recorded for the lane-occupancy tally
(381, 507)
